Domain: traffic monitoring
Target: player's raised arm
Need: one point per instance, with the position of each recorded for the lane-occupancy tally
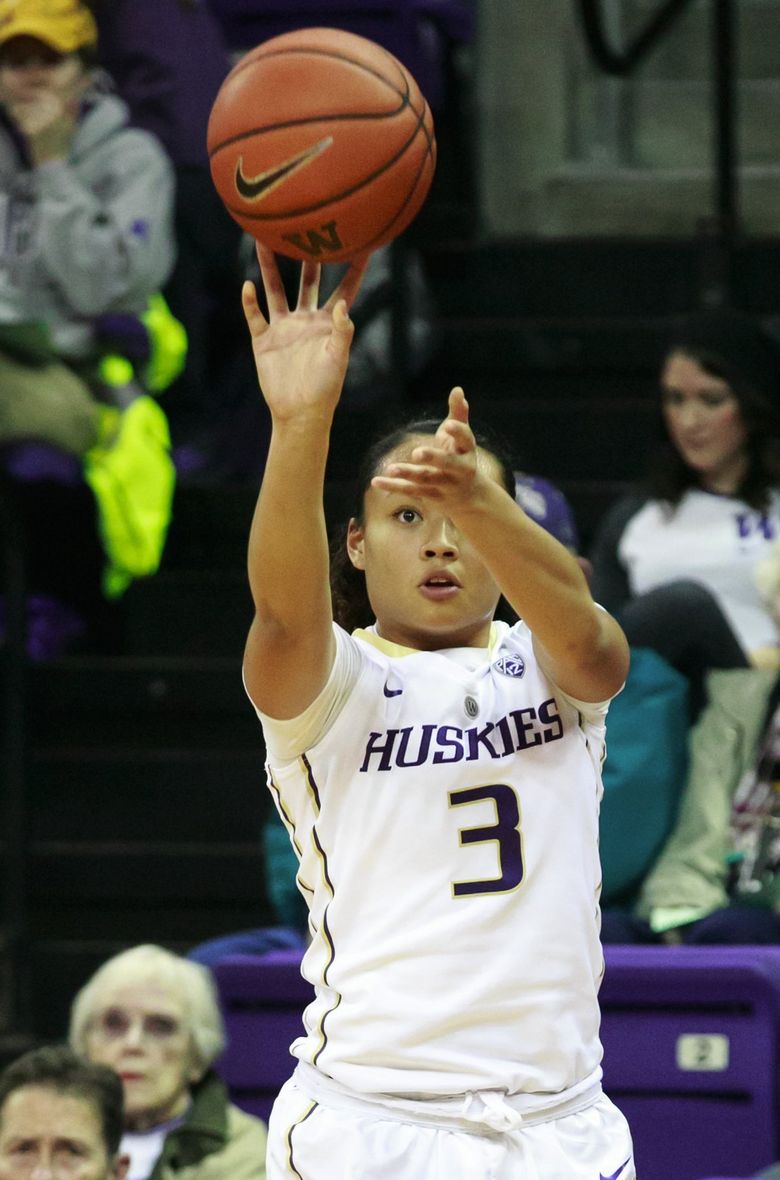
(580, 646)
(301, 355)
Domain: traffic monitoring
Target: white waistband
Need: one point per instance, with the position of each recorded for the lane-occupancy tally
(482, 1111)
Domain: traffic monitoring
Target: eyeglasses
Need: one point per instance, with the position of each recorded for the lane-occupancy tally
(115, 1023)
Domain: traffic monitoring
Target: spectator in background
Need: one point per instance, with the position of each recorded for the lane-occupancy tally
(546, 504)
(717, 876)
(154, 1018)
(676, 560)
(60, 1116)
(86, 242)
(168, 59)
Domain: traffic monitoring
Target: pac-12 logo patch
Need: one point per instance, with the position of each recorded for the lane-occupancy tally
(511, 666)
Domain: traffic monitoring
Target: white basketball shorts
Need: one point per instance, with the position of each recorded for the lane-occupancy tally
(312, 1139)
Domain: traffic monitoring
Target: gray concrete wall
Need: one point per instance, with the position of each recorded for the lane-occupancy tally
(563, 149)
(521, 110)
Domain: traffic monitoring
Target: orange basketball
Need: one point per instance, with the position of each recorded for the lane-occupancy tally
(321, 144)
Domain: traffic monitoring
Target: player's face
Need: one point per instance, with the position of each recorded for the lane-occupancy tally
(140, 1030)
(704, 422)
(55, 1137)
(426, 584)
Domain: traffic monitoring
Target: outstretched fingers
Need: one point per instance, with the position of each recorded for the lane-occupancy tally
(309, 287)
(342, 330)
(431, 474)
(455, 434)
(350, 283)
(457, 406)
(441, 468)
(255, 320)
(275, 294)
(340, 316)
(410, 479)
(309, 284)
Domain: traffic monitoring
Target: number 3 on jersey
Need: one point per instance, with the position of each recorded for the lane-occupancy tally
(505, 832)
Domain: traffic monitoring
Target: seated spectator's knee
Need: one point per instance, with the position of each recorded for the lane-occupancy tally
(686, 598)
(47, 403)
(737, 925)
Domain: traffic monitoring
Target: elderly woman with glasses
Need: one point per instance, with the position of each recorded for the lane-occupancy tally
(153, 1017)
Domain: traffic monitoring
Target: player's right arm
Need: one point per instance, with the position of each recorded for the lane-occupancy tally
(301, 356)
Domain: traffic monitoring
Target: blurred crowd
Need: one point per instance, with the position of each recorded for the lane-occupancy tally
(123, 360)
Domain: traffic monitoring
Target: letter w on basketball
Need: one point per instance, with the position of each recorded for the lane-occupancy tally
(254, 188)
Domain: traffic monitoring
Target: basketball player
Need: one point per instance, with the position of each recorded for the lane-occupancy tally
(438, 773)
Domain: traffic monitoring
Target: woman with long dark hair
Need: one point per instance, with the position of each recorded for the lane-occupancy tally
(676, 560)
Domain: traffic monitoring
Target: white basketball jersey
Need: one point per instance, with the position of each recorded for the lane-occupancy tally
(715, 540)
(447, 827)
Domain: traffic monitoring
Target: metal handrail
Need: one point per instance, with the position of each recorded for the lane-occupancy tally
(621, 62)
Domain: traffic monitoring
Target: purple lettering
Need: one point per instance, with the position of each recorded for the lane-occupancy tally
(506, 733)
(548, 713)
(767, 527)
(445, 742)
(386, 751)
(524, 727)
(423, 748)
(479, 737)
(751, 522)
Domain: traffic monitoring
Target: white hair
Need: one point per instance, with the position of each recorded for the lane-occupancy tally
(191, 984)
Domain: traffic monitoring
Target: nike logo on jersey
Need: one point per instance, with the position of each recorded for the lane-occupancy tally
(616, 1175)
(392, 692)
(254, 188)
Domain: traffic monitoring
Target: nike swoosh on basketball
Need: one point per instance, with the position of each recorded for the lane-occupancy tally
(253, 188)
(615, 1175)
(392, 692)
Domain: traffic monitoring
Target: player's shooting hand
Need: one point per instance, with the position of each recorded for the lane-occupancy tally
(446, 469)
(301, 353)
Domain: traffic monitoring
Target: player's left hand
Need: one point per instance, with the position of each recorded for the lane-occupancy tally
(445, 470)
(301, 352)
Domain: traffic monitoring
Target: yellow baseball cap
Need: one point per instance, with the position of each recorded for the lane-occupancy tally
(64, 25)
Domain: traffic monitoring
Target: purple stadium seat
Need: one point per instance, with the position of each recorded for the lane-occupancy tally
(691, 1038)
(34, 462)
(262, 999)
(418, 32)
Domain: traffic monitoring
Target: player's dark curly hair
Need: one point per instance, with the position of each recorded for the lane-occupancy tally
(351, 607)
